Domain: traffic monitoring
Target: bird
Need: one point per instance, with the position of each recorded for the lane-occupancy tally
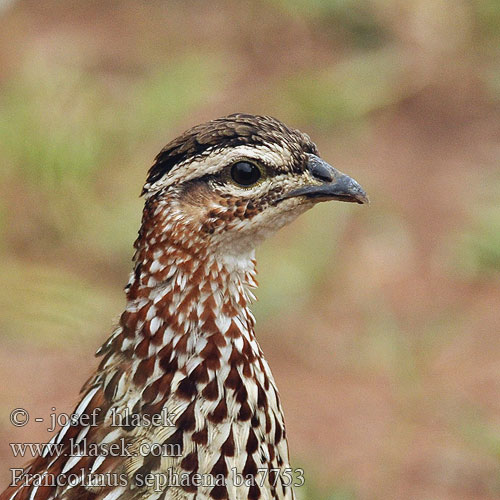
(183, 404)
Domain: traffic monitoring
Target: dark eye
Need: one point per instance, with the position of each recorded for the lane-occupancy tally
(245, 173)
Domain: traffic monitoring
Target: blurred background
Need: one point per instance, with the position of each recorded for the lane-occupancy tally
(381, 323)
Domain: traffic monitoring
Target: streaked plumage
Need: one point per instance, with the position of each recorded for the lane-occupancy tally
(185, 348)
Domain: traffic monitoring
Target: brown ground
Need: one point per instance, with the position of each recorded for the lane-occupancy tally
(385, 339)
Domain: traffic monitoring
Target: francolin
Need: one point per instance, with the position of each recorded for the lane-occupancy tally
(183, 370)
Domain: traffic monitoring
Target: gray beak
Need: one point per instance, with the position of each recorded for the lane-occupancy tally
(332, 185)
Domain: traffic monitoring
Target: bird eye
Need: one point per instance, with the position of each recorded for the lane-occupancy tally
(245, 173)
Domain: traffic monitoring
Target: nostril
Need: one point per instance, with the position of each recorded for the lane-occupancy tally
(322, 174)
(320, 169)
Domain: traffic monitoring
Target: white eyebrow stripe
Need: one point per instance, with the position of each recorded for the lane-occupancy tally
(217, 159)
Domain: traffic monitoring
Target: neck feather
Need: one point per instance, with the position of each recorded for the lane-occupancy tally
(185, 302)
(185, 343)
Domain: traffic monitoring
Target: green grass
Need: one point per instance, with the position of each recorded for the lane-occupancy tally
(339, 489)
(59, 124)
(62, 127)
(346, 92)
(478, 248)
(50, 307)
(354, 20)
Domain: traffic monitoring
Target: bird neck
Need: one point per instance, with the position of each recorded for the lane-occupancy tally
(185, 295)
(186, 344)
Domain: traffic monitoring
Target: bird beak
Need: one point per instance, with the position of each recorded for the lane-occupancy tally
(332, 185)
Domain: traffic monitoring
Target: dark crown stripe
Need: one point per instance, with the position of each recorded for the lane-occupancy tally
(230, 131)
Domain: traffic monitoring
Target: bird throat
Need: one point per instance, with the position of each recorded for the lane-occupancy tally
(184, 294)
(185, 344)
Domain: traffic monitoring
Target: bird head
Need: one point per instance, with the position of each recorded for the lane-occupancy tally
(231, 182)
